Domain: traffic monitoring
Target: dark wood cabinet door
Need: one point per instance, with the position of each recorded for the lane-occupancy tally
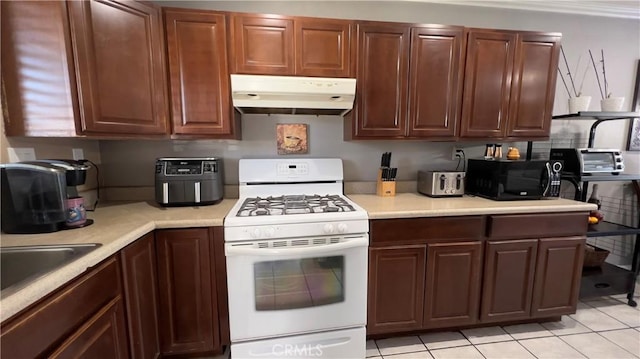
(102, 336)
(322, 47)
(487, 83)
(119, 58)
(534, 85)
(509, 267)
(558, 275)
(38, 79)
(435, 81)
(382, 76)
(198, 72)
(262, 44)
(396, 289)
(452, 285)
(186, 298)
(141, 297)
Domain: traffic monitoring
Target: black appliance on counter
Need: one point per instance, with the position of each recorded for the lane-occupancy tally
(506, 180)
(188, 181)
(35, 195)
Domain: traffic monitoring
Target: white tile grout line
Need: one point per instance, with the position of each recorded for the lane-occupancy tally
(598, 335)
(625, 324)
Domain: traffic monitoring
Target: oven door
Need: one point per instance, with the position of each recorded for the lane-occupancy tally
(297, 285)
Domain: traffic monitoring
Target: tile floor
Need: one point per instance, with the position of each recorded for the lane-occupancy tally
(602, 328)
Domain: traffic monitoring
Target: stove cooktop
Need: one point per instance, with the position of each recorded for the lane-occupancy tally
(293, 204)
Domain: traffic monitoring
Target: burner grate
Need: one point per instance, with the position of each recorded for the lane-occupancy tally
(293, 204)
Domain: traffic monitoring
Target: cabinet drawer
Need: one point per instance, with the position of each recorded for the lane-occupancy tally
(52, 320)
(537, 225)
(421, 230)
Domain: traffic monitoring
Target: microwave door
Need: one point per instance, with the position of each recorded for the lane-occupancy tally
(524, 182)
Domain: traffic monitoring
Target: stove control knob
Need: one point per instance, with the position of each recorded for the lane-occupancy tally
(342, 228)
(269, 232)
(255, 233)
(328, 228)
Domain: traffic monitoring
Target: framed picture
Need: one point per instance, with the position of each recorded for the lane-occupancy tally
(292, 138)
(633, 143)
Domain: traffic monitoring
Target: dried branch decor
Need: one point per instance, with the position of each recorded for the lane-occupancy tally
(576, 92)
(606, 93)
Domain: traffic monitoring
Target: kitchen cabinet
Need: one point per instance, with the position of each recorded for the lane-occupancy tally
(423, 273)
(188, 312)
(558, 275)
(396, 305)
(509, 267)
(84, 317)
(469, 270)
(415, 90)
(509, 84)
(283, 45)
(119, 59)
(39, 96)
(98, 69)
(452, 284)
(140, 282)
(199, 75)
(534, 271)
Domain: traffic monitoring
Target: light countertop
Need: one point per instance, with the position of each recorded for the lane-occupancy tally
(115, 226)
(119, 224)
(411, 205)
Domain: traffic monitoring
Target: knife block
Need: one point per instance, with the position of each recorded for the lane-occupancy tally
(385, 188)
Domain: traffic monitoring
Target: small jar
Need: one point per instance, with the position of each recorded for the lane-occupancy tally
(488, 152)
(498, 152)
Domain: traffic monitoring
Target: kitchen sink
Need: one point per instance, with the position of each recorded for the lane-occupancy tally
(21, 265)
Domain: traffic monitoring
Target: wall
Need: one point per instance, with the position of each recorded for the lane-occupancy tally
(57, 148)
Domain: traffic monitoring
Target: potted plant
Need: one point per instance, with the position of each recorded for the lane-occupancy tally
(608, 103)
(578, 102)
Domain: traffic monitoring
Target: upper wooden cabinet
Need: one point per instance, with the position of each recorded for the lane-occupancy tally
(97, 70)
(199, 75)
(118, 53)
(282, 45)
(414, 90)
(435, 81)
(509, 84)
(487, 83)
(38, 82)
(534, 85)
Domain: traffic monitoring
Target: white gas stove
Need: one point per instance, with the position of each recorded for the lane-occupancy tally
(296, 249)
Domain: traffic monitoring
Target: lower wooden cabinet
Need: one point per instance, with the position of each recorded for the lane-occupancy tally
(140, 282)
(558, 274)
(84, 318)
(423, 275)
(396, 288)
(452, 288)
(102, 336)
(509, 267)
(188, 314)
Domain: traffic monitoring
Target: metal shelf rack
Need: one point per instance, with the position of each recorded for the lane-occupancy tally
(609, 279)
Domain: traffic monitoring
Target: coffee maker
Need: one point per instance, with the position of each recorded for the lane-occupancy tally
(41, 196)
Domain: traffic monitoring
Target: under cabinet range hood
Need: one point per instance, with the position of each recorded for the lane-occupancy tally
(292, 95)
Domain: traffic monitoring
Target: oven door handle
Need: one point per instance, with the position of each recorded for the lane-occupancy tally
(236, 250)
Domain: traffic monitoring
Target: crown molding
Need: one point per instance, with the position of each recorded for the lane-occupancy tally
(628, 9)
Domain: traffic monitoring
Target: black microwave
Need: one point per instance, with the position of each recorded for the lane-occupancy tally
(506, 180)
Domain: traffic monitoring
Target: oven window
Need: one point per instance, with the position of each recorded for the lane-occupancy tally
(299, 283)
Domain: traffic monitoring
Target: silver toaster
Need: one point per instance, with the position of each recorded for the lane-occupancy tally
(441, 184)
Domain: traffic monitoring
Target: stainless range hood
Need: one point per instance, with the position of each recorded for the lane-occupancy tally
(292, 95)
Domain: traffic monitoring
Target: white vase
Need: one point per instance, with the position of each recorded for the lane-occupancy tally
(578, 104)
(612, 104)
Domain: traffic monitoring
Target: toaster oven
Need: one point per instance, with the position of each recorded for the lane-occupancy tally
(587, 161)
(188, 181)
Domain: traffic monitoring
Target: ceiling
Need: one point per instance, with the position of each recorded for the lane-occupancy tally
(629, 9)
